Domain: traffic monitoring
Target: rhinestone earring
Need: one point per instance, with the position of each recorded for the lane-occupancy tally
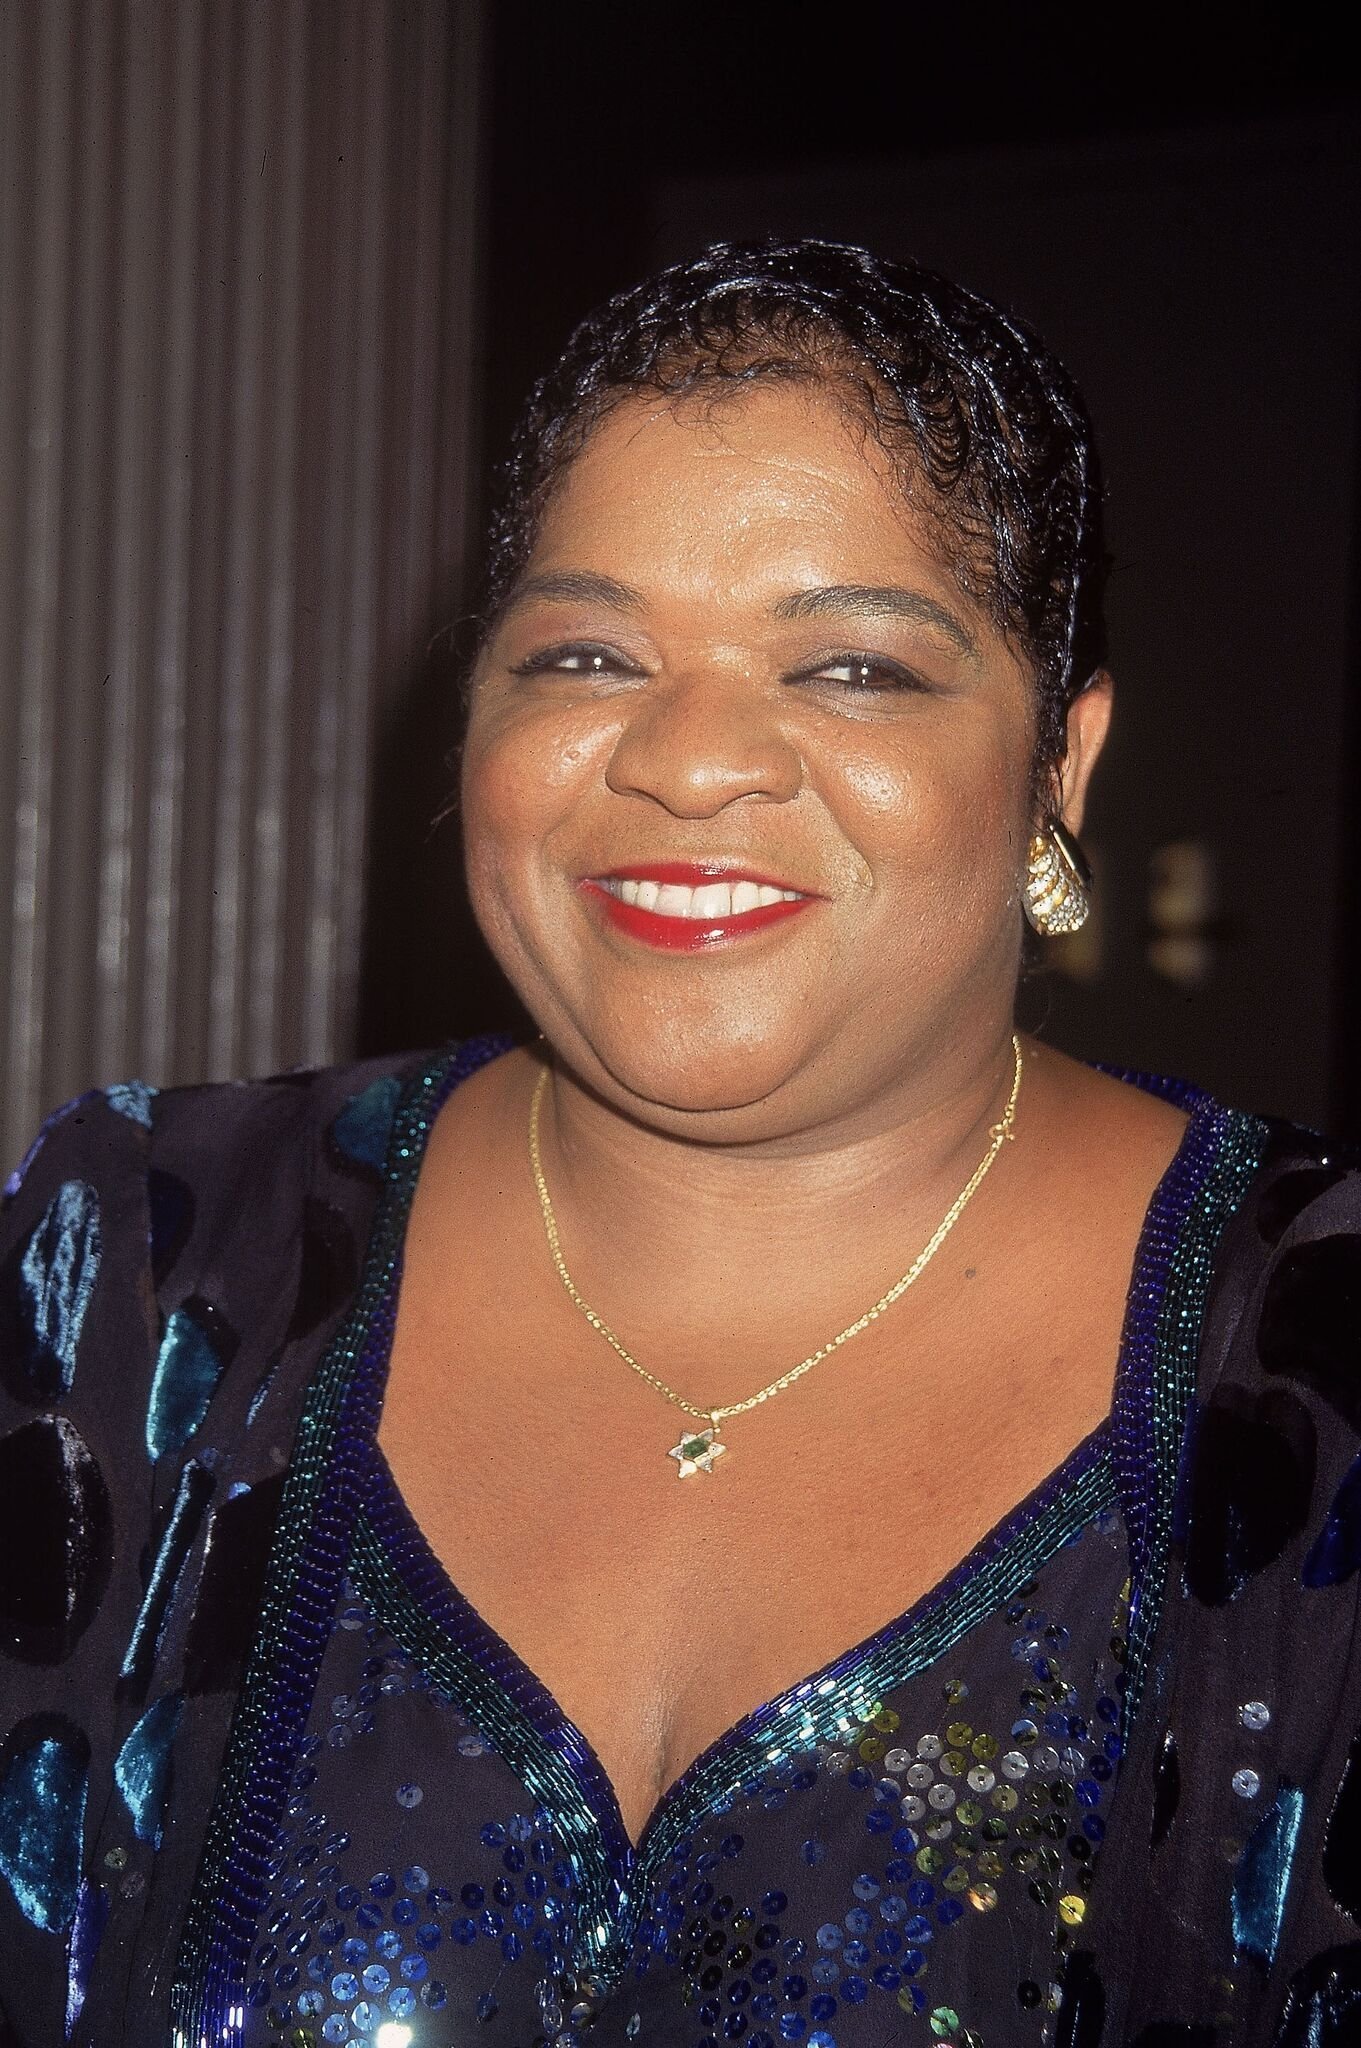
(1058, 882)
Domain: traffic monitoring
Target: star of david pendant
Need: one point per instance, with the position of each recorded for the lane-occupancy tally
(696, 1451)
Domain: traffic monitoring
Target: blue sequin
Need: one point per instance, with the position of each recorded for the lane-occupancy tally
(42, 1820)
(1263, 1875)
(132, 1099)
(142, 1767)
(194, 1351)
(362, 1129)
(57, 1276)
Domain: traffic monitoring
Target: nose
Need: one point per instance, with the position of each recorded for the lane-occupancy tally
(695, 745)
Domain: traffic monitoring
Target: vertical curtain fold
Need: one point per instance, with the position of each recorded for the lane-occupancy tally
(236, 253)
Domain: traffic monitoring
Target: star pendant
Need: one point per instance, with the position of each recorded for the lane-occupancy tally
(696, 1451)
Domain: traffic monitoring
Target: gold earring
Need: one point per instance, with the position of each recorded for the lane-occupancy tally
(1058, 882)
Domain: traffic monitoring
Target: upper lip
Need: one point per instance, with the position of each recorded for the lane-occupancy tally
(693, 874)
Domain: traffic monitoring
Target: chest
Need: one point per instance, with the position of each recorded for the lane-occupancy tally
(917, 1817)
(659, 1609)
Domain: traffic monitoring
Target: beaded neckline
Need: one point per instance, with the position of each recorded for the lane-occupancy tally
(1130, 1456)
(337, 1514)
(409, 1593)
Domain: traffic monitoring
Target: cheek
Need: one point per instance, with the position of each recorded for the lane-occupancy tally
(521, 777)
(503, 807)
(957, 809)
(526, 783)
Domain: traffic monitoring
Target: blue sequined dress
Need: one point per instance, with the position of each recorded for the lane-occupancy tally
(265, 1775)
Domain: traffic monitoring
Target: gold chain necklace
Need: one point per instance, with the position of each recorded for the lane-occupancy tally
(697, 1449)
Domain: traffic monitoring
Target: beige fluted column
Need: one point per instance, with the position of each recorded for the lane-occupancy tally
(236, 263)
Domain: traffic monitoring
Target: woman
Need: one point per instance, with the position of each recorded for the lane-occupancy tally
(812, 1519)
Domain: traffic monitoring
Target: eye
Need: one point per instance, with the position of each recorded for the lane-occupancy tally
(576, 658)
(863, 673)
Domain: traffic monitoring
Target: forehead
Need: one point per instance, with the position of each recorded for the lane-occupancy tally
(755, 491)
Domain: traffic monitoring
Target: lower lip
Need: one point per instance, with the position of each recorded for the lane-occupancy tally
(687, 934)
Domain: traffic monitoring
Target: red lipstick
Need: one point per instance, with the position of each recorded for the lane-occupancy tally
(688, 934)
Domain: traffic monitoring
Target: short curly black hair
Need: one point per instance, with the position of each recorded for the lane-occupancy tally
(954, 389)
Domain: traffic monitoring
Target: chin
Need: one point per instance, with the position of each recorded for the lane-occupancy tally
(714, 1071)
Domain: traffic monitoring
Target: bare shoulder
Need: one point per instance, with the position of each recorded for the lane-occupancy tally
(473, 1215)
(479, 1121)
(1104, 1132)
(1104, 1096)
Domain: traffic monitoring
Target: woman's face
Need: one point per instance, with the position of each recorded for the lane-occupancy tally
(737, 663)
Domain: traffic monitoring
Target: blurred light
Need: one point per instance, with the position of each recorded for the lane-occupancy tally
(392, 2034)
(1184, 929)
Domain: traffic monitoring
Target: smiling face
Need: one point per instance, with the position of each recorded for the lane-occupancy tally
(738, 666)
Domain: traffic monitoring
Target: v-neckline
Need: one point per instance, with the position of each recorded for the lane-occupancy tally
(425, 1609)
(417, 1599)
(332, 1509)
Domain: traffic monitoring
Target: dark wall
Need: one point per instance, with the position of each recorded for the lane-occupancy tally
(1185, 231)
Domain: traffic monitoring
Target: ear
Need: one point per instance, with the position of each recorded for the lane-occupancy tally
(1089, 719)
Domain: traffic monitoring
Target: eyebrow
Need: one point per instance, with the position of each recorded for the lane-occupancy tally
(877, 600)
(855, 600)
(576, 586)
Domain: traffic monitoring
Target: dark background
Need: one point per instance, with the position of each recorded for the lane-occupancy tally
(1182, 223)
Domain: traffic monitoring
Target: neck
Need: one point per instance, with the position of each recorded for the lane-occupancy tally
(666, 1235)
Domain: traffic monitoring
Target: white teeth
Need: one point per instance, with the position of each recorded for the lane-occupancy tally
(711, 901)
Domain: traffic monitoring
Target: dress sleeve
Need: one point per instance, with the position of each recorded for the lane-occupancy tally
(173, 1266)
(1296, 1896)
(76, 1346)
(1227, 1909)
